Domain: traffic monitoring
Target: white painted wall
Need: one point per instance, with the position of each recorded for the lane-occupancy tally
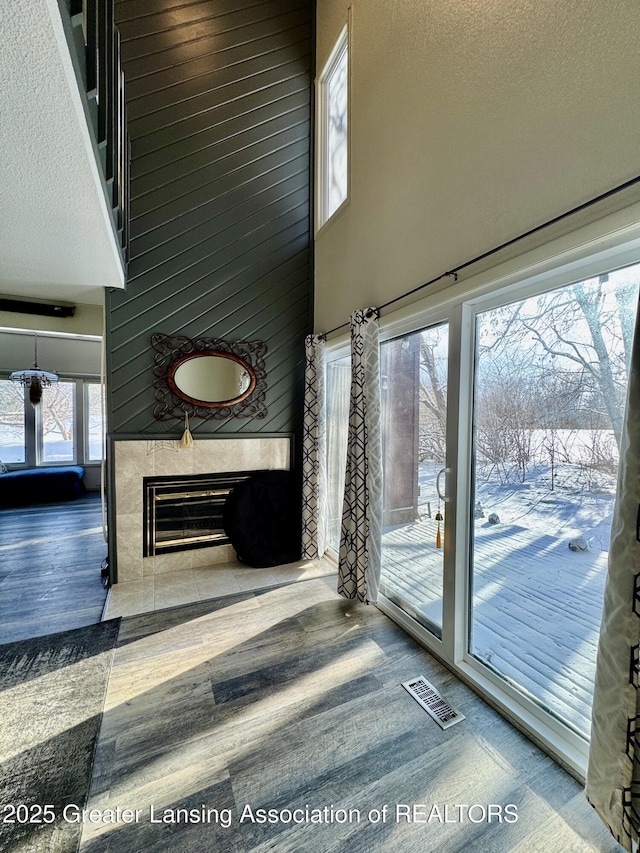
(57, 241)
(471, 122)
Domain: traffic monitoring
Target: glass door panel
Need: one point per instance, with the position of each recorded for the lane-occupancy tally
(550, 385)
(413, 376)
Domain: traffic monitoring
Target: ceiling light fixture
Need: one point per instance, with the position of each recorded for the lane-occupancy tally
(34, 379)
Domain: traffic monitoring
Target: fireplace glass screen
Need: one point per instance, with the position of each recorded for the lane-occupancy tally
(183, 512)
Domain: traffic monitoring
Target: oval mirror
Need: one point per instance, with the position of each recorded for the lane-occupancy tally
(211, 378)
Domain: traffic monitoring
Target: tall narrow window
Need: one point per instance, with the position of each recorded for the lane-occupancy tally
(93, 421)
(333, 94)
(12, 422)
(57, 416)
(338, 386)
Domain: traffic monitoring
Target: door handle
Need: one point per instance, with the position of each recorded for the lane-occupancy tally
(442, 495)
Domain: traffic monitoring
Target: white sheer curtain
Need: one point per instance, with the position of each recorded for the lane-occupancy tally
(360, 540)
(314, 451)
(613, 778)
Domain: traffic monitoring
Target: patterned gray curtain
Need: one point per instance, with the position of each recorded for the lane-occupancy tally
(613, 777)
(360, 540)
(314, 451)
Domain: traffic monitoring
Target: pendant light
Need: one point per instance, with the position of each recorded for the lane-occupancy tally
(34, 379)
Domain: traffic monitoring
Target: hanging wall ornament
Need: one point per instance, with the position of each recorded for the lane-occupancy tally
(187, 439)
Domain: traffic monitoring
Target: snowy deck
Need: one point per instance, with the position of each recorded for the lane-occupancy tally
(536, 605)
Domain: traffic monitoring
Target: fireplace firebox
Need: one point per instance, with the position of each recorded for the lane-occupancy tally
(184, 512)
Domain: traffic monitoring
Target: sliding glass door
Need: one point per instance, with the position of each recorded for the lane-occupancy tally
(501, 421)
(550, 383)
(413, 371)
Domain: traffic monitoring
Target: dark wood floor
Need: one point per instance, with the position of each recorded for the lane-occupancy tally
(291, 698)
(50, 558)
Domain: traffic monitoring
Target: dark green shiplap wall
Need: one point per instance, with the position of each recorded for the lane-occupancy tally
(218, 99)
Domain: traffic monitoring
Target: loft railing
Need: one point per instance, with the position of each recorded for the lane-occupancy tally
(94, 43)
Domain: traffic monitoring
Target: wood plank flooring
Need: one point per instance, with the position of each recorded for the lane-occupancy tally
(290, 698)
(50, 557)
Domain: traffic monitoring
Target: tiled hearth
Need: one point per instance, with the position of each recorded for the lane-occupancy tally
(155, 592)
(137, 459)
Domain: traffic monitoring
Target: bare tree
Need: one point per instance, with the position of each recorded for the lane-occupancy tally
(433, 396)
(12, 410)
(587, 326)
(57, 410)
(505, 419)
(550, 369)
(558, 399)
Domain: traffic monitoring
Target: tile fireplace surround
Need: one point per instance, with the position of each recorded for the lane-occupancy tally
(137, 459)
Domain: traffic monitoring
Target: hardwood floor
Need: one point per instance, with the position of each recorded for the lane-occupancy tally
(50, 557)
(290, 698)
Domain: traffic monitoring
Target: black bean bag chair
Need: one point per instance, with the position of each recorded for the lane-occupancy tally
(262, 519)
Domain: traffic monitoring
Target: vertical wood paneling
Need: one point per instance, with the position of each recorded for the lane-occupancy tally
(218, 98)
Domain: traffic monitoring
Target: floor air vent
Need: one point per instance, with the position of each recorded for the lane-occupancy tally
(426, 695)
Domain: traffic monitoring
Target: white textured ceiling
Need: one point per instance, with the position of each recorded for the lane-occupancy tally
(55, 241)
